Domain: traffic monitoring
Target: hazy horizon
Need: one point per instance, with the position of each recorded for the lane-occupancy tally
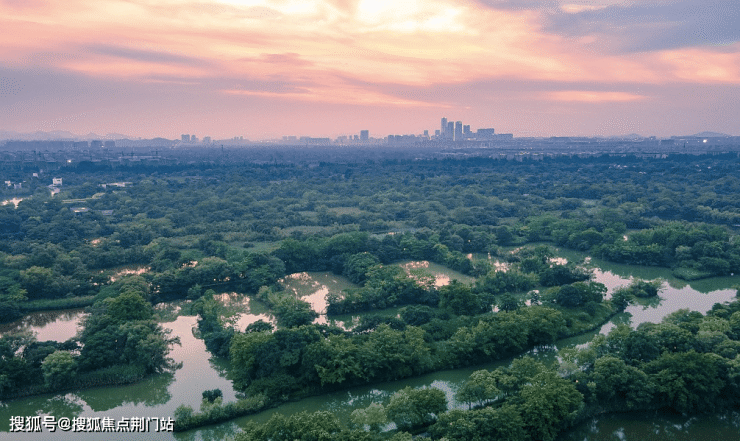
(263, 69)
(65, 135)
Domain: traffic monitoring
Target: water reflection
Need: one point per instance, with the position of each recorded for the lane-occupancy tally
(498, 265)
(430, 273)
(313, 287)
(151, 392)
(129, 270)
(48, 325)
(672, 297)
(657, 425)
(160, 395)
(211, 433)
(241, 311)
(157, 396)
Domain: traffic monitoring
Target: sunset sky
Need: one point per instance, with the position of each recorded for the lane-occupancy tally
(264, 69)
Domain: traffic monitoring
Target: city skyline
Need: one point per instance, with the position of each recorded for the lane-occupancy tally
(267, 69)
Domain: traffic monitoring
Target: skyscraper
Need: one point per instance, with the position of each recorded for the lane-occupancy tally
(450, 133)
(458, 131)
(364, 135)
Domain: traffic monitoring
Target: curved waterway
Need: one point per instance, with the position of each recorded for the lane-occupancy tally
(156, 397)
(160, 395)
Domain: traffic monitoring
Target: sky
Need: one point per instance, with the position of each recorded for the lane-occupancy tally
(268, 68)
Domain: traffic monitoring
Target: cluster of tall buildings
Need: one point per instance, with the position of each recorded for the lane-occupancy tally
(454, 131)
(457, 131)
(192, 139)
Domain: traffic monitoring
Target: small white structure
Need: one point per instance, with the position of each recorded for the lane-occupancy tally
(56, 182)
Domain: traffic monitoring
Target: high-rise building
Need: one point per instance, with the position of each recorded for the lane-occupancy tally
(364, 135)
(485, 134)
(466, 131)
(458, 131)
(185, 138)
(443, 132)
(450, 133)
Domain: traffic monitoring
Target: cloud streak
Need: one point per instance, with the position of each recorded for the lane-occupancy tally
(652, 25)
(359, 60)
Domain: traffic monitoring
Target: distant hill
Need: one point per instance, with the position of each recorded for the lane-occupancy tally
(711, 135)
(58, 135)
(631, 136)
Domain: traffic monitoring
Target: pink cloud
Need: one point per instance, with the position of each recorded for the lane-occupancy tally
(465, 57)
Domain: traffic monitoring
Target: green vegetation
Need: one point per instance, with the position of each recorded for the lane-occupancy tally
(184, 231)
(120, 343)
(688, 364)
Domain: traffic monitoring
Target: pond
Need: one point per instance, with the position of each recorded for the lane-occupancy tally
(47, 325)
(433, 273)
(313, 287)
(674, 295)
(159, 396)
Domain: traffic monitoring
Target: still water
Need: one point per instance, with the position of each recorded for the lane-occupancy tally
(159, 396)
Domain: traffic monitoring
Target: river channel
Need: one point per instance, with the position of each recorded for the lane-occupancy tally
(160, 395)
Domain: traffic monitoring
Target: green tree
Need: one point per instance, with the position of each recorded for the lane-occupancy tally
(373, 416)
(620, 384)
(293, 312)
(548, 404)
(244, 356)
(480, 388)
(689, 381)
(340, 361)
(303, 426)
(489, 424)
(621, 299)
(11, 297)
(59, 369)
(460, 298)
(357, 265)
(212, 394)
(410, 408)
(128, 306)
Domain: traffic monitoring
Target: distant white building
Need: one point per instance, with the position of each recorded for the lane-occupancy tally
(56, 182)
(116, 184)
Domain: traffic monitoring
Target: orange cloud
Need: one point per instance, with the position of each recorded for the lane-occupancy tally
(592, 96)
(404, 53)
(705, 66)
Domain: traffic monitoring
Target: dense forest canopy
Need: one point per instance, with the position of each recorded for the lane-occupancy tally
(122, 239)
